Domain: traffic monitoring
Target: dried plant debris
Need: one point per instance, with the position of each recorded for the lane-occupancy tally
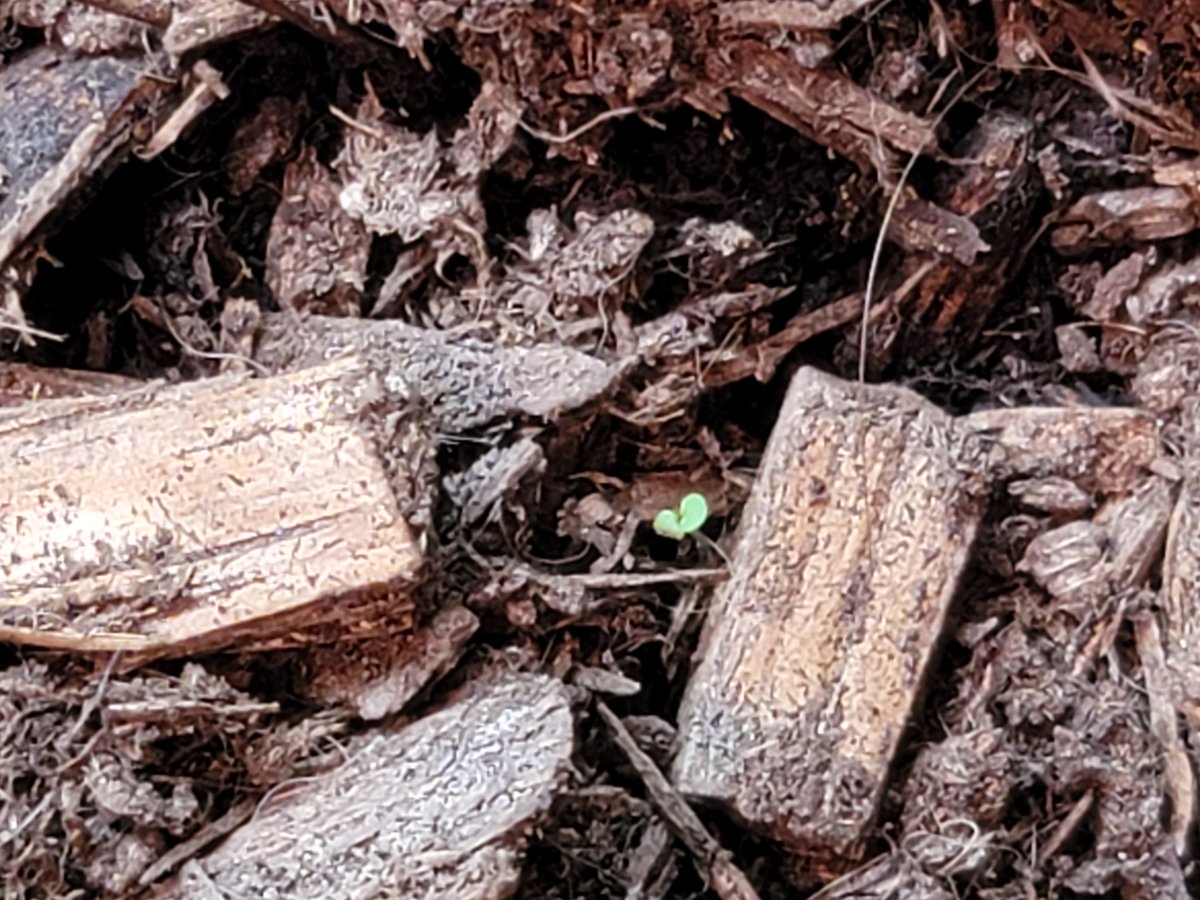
(569, 287)
(398, 182)
(316, 253)
(94, 786)
(600, 842)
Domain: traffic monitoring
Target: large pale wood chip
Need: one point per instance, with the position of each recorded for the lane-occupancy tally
(438, 810)
(849, 552)
(174, 518)
(848, 556)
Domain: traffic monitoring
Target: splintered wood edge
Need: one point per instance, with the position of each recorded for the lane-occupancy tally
(439, 809)
(260, 499)
(815, 649)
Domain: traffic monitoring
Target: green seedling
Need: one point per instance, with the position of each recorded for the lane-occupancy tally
(685, 519)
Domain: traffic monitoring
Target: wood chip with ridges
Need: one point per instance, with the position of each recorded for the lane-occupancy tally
(174, 518)
(440, 809)
(849, 552)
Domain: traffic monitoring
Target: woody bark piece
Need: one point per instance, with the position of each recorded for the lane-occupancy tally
(65, 118)
(835, 112)
(1126, 215)
(830, 108)
(849, 551)
(199, 25)
(438, 810)
(1086, 562)
(1106, 450)
(466, 382)
(1180, 602)
(379, 676)
(176, 518)
(996, 193)
(804, 15)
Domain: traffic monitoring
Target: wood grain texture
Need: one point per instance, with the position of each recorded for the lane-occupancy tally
(174, 518)
(438, 810)
(65, 118)
(465, 382)
(1180, 595)
(849, 552)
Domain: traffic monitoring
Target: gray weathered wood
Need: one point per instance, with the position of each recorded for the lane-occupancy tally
(65, 118)
(465, 382)
(848, 556)
(438, 810)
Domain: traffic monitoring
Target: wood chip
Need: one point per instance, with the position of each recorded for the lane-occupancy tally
(1088, 561)
(1126, 215)
(380, 676)
(1055, 495)
(438, 810)
(715, 862)
(1181, 596)
(199, 25)
(804, 15)
(849, 551)
(172, 518)
(827, 106)
(65, 119)
(848, 555)
(20, 383)
(1103, 450)
(1179, 780)
(854, 122)
(466, 382)
(206, 88)
(994, 196)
